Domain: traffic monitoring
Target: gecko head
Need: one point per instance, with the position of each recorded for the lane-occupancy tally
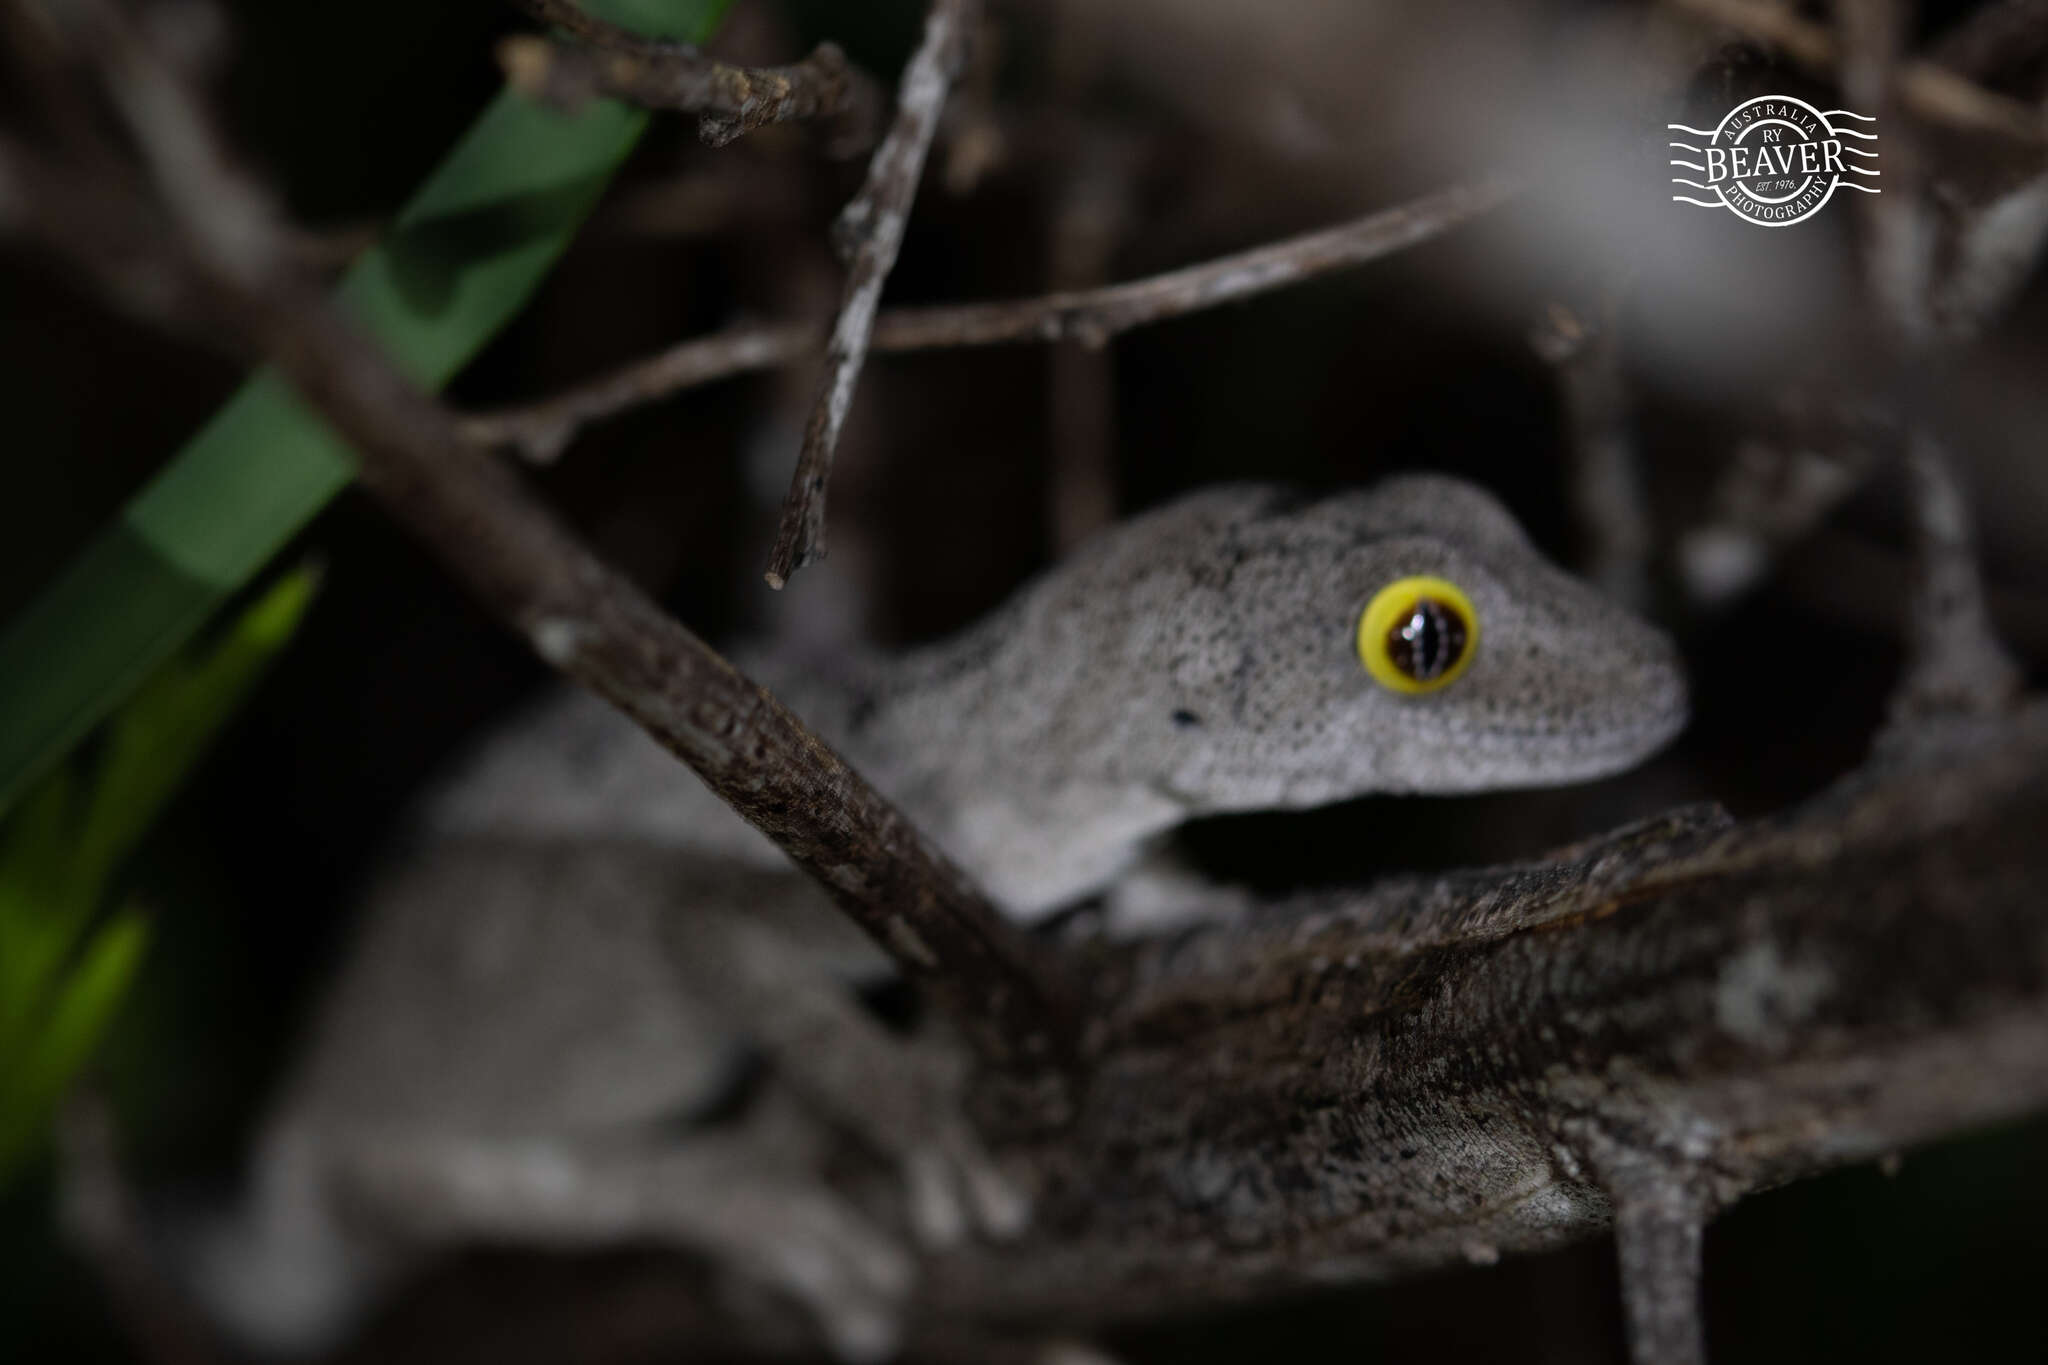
(1278, 652)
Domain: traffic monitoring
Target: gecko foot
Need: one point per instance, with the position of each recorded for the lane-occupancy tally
(901, 1099)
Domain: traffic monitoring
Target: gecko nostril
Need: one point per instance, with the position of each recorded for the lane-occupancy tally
(1184, 719)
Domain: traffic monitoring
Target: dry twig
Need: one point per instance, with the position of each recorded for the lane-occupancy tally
(1776, 490)
(1996, 224)
(1898, 235)
(542, 431)
(1092, 214)
(1956, 666)
(871, 227)
(731, 100)
(1090, 316)
(1932, 92)
(1611, 505)
(1091, 217)
(1993, 38)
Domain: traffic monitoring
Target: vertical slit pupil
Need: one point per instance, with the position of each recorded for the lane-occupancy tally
(1428, 641)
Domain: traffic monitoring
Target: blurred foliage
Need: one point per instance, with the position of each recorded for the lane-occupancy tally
(462, 259)
(65, 967)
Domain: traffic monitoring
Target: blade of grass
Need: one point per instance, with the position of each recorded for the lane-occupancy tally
(79, 1016)
(158, 734)
(63, 973)
(462, 259)
(61, 847)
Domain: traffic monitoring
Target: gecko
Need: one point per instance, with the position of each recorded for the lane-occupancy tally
(554, 978)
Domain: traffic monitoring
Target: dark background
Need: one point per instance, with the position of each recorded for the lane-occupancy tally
(946, 483)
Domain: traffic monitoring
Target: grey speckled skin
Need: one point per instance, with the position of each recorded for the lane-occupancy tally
(563, 961)
(1196, 660)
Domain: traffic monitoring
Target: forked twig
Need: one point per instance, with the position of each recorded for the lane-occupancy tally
(873, 227)
(1092, 316)
(731, 100)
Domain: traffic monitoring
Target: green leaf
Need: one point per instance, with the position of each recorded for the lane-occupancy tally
(35, 1076)
(159, 734)
(61, 848)
(37, 922)
(461, 260)
(62, 979)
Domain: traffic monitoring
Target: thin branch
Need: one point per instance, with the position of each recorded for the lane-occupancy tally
(972, 127)
(1898, 231)
(1611, 505)
(1817, 449)
(228, 253)
(1932, 92)
(729, 196)
(1956, 665)
(1091, 217)
(873, 224)
(581, 24)
(1996, 229)
(1776, 492)
(542, 431)
(1994, 38)
(1995, 245)
(1091, 316)
(731, 100)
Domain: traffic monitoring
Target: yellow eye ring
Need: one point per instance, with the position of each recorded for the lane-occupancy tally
(1418, 634)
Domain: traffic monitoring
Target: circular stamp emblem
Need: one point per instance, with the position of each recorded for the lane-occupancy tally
(1775, 160)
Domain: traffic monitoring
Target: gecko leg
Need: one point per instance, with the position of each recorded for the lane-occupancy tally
(1658, 1227)
(901, 1100)
(1662, 1198)
(718, 1195)
(1162, 893)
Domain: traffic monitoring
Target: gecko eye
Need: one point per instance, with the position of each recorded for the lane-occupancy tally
(1417, 634)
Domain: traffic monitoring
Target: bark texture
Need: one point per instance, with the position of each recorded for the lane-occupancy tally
(1352, 1086)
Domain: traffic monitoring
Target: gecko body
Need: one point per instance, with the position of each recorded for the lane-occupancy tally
(508, 1052)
